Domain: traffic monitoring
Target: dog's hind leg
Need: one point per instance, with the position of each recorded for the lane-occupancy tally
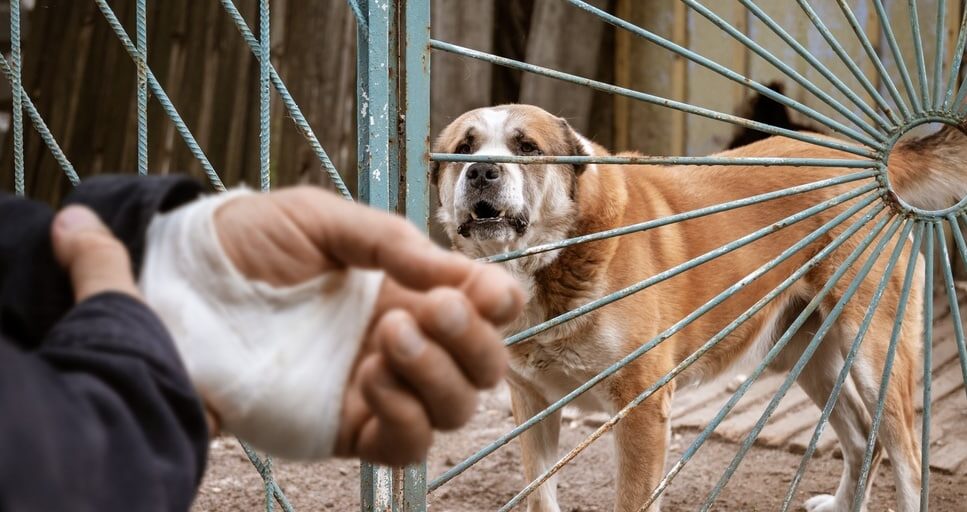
(849, 419)
(538, 444)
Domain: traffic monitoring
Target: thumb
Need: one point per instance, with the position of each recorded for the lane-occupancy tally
(96, 261)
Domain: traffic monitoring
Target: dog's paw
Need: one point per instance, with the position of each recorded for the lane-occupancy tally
(822, 503)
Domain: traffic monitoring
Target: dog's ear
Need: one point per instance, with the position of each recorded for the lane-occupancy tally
(574, 145)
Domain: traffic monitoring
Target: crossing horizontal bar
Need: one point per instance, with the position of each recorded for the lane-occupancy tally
(650, 98)
(712, 342)
(658, 160)
(460, 468)
(773, 352)
(679, 217)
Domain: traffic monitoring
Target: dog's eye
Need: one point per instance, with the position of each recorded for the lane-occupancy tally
(463, 149)
(528, 148)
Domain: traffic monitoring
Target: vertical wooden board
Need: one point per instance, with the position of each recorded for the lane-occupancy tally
(459, 83)
(564, 38)
(709, 89)
(651, 72)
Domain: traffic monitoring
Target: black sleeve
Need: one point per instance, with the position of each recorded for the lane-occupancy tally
(101, 417)
(96, 411)
(34, 290)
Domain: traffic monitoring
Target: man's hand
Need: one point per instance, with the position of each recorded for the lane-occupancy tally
(432, 341)
(96, 261)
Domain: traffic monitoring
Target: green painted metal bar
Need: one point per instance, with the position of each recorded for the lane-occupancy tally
(649, 98)
(860, 492)
(773, 352)
(358, 14)
(683, 267)
(804, 359)
(658, 160)
(417, 110)
(797, 77)
(532, 486)
(288, 102)
(840, 380)
(272, 489)
(897, 55)
(42, 129)
(918, 51)
(16, 67)
(808, 56)
(940, 30)
(822, 254)
(952, 291)
(928, 256)
(878, 136)
(671, 219)
(958, 61)
(162, 97)
(141, 31)
(871, 52)
(265, 99)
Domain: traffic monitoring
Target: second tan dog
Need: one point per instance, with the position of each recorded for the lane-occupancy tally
(491, 208)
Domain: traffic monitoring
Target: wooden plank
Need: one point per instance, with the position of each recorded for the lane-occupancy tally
(566, 39)
(797, 25)
(736, 426)
(799, 442)
(709, 89)
(762, 390)
(777, 432)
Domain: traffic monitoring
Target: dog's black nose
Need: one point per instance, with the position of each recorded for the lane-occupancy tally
(483, 175)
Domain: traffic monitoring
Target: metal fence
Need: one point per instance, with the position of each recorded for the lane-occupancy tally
(393, 72)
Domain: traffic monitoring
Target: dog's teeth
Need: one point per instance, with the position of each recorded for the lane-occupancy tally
(501, 213)
(473, 215)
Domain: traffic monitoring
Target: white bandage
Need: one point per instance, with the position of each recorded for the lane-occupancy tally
(272, 362)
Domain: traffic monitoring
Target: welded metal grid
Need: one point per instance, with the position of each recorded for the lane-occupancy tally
(865, 130)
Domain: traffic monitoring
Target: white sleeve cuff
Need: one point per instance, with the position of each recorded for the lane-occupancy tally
(272, 362)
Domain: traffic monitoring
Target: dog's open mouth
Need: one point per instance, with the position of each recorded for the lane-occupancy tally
(485, 215)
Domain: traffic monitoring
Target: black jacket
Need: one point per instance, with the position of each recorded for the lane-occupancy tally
(96, 411)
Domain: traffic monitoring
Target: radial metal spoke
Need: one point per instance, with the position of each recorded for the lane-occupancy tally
(927, 372)
(841, 378)
(683, 267)
(938, 57)
(773, 352)
(871, 52)
(711, 343)
(701, 212)
(836, 242)
(752, 84)
(897, 55)
(954, 77)
(948, 276)
(649, 98)
(829, 75)
(918, 50)
(658, 160)
(860, 493)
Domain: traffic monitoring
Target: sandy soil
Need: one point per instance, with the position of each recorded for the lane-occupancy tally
(586, 485)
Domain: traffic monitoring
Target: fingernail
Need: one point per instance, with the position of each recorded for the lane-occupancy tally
(78, 219)
(410, 343)
(452, 317)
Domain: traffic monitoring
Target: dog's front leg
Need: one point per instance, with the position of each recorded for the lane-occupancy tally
(641, 441)
(538, 445)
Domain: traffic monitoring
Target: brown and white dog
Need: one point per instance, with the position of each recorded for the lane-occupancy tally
(491, 208)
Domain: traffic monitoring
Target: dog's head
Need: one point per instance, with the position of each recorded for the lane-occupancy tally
(488, 208)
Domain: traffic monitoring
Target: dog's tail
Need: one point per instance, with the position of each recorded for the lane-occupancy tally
(930, 172)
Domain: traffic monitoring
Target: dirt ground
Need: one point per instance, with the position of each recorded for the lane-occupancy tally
(586, 485)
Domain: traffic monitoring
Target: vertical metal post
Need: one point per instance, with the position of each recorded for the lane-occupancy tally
(15, 79)
(142, 41)
(374, 175)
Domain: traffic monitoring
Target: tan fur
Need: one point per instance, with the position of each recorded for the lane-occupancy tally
(610, 196)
